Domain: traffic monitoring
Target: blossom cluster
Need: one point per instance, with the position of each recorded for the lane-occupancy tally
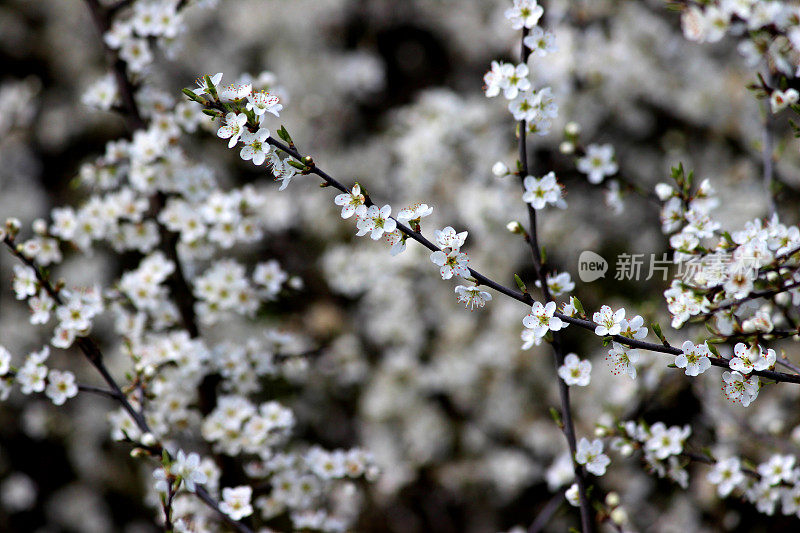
(662, 447)
(537, 108)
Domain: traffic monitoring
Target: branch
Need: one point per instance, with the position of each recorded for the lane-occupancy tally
(766, 158)
(546, 513)
(587, 524)
(92, 352)
(516, 295)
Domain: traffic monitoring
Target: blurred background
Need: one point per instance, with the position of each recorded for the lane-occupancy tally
(390, 94)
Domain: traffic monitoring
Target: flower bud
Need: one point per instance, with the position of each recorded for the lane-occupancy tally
(514, 227)
(13, 226)
(572, 128)
(664, 191)
(40, 226)
(619, 516)
(500, 169)
(612, 499)
(148, 439)
(566, 148)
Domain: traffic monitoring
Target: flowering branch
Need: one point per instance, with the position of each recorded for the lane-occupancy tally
(92, 352)
(568, 425)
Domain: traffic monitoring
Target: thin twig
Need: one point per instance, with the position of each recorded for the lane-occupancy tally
(766, 158)
(547, 512)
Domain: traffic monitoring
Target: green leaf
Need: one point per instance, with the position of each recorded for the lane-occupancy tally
(520, 284)
(283, 134)
(556, 416)
(657, 330)
(211, 89)
(578, 306)
(713, 349)
(295, 164)
(193, 97)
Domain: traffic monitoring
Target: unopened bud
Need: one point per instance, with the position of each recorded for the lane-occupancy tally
(148, 439)
(514, 227)
(500, 169)
(664, 191)
(572, 128)
(612, 499)
(40, 226)
(13, 226)
(566, 148)
(619, 516)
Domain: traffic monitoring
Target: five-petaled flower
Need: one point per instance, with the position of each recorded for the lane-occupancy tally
(452, 263)
(752, 358)
(541, 320)
(694, 358)
(591, 454)
(598, 162)
(608, 322)
(262, 102)
(575, 371)
(233, 129)
(352, 202)
(472, 296)
(256, 146)
(376, 221)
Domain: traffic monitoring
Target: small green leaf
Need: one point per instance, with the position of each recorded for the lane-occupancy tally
(521, 284)
(556, 416)
(283, 134)
(713, 349)
(578, 306)
(211, 89)
(707, 452)
(190, 94)
(657, 330)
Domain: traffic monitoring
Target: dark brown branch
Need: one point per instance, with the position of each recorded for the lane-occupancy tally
(526, 298)
(587, 523)
(546, 513)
